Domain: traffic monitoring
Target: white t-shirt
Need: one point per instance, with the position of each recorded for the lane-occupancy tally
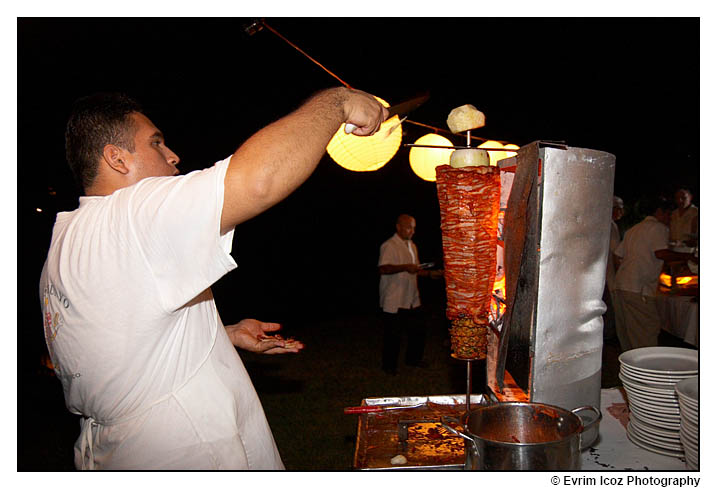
(398, 290)
(135, 336)
(610, 263)
(681, 228)
(640, 268)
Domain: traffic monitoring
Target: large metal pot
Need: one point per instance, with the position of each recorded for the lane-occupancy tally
(523, 436)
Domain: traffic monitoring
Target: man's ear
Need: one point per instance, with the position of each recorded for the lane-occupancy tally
(114, 157)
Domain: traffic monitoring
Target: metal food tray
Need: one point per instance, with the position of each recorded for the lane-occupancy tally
(415, 433)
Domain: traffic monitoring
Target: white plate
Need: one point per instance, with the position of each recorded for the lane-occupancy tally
(642, 436)
(659, 410)
(693, 438)
(651, 438)
(646, 388)
(655, 424)
(656, 404)
(657, 374)
(662, 360)
(688, 408)
(690, 453)
(688, 403)
(657, 421)
(653, 378)
(653, 400)
(652, 448)
(689, 441)
(688, 388)
(645, 427)
(692, 461)
(689, 447)
(689, 417)
(690, 412)
(668, 399)
(689, 427)
(648, 381)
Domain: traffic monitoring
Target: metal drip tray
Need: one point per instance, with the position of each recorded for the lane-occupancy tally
(416, 433)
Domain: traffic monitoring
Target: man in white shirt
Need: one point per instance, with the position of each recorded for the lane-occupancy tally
(684, 220)
(609, 318)
(642, 252)
(399, 296)
(130, 321)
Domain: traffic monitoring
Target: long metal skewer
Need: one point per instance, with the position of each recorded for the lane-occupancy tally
(468, 387)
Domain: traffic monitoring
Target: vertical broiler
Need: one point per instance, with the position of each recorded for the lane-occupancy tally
(541, 337)
(557, 203)
(544, 343)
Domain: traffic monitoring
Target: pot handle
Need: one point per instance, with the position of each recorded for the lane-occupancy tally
(591, 408)
(446, 426)
(461, 434)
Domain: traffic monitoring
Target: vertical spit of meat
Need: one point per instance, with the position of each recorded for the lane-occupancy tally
(469, 205)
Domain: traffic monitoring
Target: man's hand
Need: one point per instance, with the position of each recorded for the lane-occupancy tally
(365, 112)
(251, 335)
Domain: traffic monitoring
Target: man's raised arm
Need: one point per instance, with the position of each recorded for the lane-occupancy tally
(278, 158)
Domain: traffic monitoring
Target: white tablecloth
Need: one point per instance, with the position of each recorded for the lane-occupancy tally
(679, 316)
(613, 451)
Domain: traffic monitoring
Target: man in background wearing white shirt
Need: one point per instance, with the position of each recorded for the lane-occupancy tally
(399, 296)
(641, 253)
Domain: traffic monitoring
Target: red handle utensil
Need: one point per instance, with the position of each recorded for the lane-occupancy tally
(375, 408)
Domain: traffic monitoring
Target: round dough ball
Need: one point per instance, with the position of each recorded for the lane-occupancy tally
(465, 118)
(469, 158)
(398, 459)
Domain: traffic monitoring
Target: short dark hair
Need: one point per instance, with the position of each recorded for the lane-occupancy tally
(95, 121)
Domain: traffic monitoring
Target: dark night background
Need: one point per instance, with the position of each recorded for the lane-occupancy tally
(603, 83)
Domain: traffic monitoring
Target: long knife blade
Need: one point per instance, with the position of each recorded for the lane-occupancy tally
(407, 106)
(401, 109)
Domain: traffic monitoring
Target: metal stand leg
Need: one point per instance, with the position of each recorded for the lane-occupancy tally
(468, 387)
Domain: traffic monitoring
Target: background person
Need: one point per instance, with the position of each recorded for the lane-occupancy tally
(684, 219)
(130, 320)
(609, 318)
(642, 252)
(399, 300)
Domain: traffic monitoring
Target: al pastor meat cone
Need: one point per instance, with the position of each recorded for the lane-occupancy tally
(469, 205)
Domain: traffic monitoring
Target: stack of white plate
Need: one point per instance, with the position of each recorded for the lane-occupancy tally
(687, 391)
(649, 376)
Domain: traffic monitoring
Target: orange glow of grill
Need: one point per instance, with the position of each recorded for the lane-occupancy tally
(665, 280)
(500, 290)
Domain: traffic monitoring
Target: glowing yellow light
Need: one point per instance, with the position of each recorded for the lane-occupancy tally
(500, 290)
(38, 210)
(366, 153)
(494, 156)
(424, 161)
(665, 280)
(511, 146)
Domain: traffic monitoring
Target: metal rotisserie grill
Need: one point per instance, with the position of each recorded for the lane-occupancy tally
(545, 339)
(555, 236)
